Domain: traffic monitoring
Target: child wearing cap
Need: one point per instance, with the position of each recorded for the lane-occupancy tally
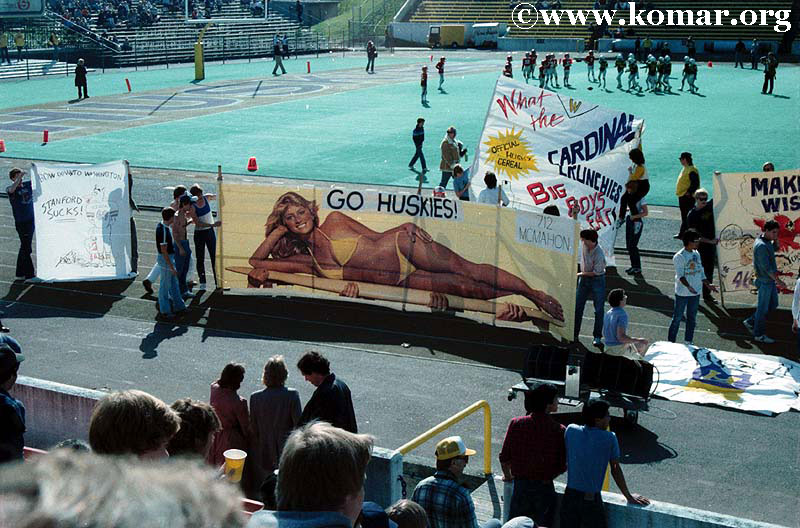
(423, 82)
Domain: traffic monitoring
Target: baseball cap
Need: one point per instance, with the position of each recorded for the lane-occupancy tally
(8, 358)
(451, 447)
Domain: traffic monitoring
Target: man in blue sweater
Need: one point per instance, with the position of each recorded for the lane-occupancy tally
(418, 135)
(767, 281)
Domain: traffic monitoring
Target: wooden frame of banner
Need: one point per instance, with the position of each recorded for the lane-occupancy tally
(218, 258)
(383, 292)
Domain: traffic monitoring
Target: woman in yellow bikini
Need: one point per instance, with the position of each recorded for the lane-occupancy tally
(344, 249)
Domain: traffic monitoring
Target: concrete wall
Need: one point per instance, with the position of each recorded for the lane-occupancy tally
(54, 411)
(383, 477)
(406, 10)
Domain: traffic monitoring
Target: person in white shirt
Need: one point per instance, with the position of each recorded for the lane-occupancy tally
(492, 194)
(796, 311)
(689, 281)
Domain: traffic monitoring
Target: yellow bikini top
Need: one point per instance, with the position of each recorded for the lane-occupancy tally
(343, 250)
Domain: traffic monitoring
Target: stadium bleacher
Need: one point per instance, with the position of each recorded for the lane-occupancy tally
(461, 11)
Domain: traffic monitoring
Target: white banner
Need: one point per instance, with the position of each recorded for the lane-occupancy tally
(762, 384)
(82, 221)
(548, 148)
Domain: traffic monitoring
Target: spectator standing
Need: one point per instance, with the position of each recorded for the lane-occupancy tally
(634, 225)
(688, 182)
(20, 194)
(285, 46)
(591, 283)
(12, 411)
(155, 271)
(372, 52)
(183, 252)
(647, 46)
(204, 235)
(738, 52)
(19, 42)
(450, 156)
(170, 301)
(533, 454)
(274, 413)
(690, 279)
(54, 42)
(423, 83)
(767, 280)
(461, 183)
(637, 48)
(701, 219)
(4, 48)
(492, 194)
(615, 327)
(132, 422)
(320, 479)
(590, 449)
(445, 501)
(754, 54)
(796, 311)
(299, 9)
(770, 71)
(331, 401)
(691, 47)
(199, 424)
(418, 136)
(80, 80)
(232, 412)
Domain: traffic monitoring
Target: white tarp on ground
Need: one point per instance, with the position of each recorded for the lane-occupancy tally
(549, 148)
(762, 384)
(82, 215)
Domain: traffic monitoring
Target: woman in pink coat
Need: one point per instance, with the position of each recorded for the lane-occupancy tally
(232, 412)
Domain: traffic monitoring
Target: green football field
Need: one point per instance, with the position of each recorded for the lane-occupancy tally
(362, 134)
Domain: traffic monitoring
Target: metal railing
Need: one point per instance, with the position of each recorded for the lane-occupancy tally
(487, 432)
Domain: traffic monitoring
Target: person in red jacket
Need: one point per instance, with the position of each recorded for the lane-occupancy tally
(440, 69)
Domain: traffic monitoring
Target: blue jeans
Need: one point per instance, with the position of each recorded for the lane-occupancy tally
(633, 232)
(767, 301)
(594, 288)
(684, 304)
(418, 155)
(205, 238)
(535, 499)
(182, 264)
(24, 262)
(169, 293)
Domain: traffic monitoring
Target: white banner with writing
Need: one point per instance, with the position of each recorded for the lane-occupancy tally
(691, 374)
(548, 148)
(82, 215)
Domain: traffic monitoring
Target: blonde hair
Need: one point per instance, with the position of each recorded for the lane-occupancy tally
(289, 244)
(333, 459)
(275, 372)
(700, 191)
(68, 489)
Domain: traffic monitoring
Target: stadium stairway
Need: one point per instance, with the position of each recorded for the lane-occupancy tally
(36, 68)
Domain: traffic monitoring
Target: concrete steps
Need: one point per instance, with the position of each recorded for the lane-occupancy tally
(36, 68)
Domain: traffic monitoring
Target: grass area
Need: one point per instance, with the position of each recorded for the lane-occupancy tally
(364, 135)
(377, 14)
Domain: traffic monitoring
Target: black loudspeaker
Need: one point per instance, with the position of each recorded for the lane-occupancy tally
(546, 362)
(617, 374)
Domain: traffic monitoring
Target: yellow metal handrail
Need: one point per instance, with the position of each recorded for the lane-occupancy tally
(487, 432)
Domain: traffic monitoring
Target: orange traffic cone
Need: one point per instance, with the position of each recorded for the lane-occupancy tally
(252, 166)
(308, 66)
(45, 137)
(710, 65)
(2, 146)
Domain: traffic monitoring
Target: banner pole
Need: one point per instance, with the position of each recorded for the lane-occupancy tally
(717, 186)
(221, 202)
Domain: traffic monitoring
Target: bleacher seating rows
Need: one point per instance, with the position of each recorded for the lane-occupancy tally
(460, 11)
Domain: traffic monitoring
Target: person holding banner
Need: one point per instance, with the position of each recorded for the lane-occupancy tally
(688, 182)
(591, 283)
(450, 156)
(767, 281)
(344, 249)
(20, 194)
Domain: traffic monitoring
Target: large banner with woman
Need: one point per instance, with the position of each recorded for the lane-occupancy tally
(548, 148)
(411, 252)
(744, 202)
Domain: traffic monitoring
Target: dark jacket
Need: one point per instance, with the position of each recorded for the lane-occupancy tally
(12, 427)
(80, 75)
(331, 402)
(418, 135)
